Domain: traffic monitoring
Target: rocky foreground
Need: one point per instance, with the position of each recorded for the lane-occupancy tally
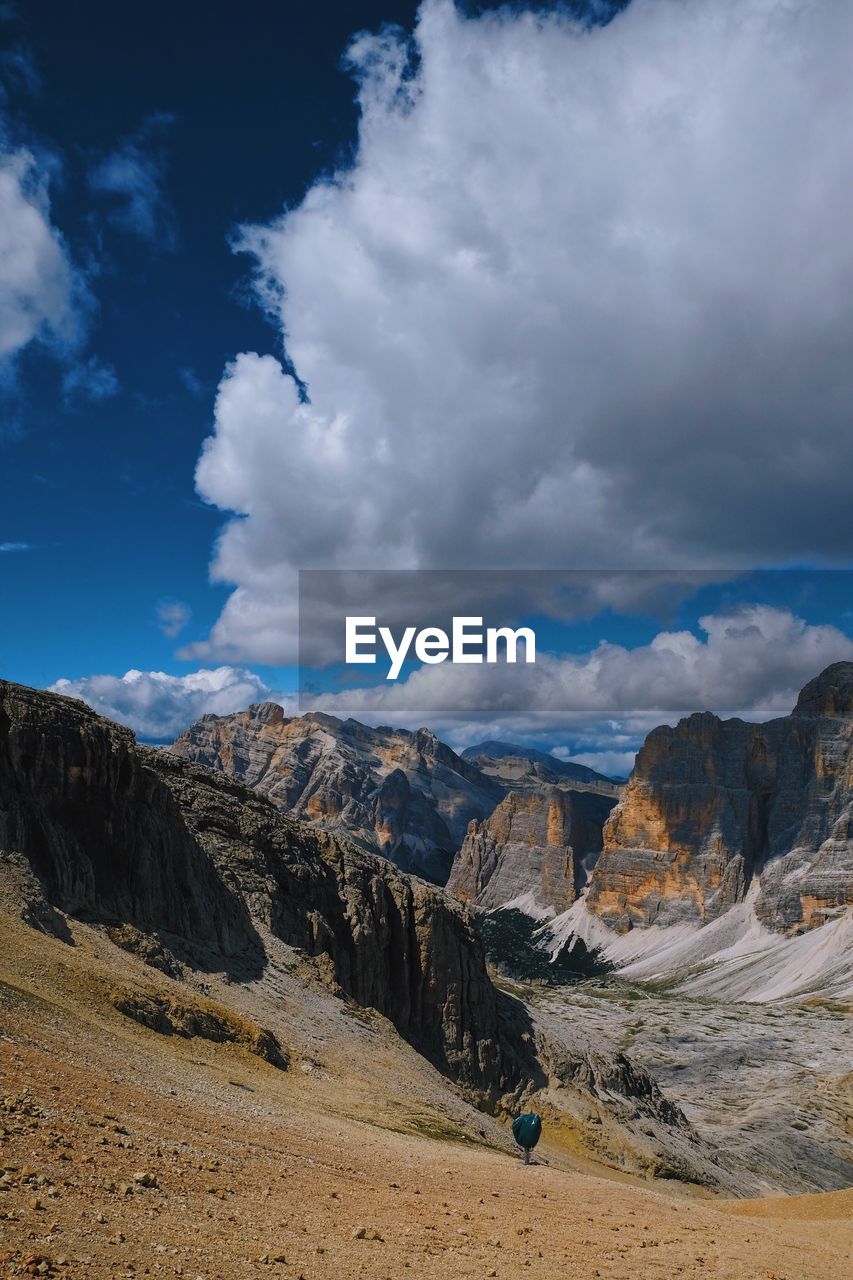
(126, 1152)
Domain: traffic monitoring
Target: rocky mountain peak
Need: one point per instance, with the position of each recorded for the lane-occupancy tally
(829, 694)
(716, 807)
(266, 712)
(534, 850)
(405, 795)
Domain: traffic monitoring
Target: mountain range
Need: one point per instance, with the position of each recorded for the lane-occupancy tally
(509, 759)
(404, 795)
(745, 827)
(216, 915)
(255, 881)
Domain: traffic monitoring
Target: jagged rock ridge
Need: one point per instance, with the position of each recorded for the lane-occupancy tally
(404, 795)
(515, 765)
(121, 834)
(125, 835)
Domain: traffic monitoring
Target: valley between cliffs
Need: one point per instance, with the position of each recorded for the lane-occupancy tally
(232, 1040)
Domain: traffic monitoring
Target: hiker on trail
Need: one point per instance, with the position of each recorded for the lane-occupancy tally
(526, 1130)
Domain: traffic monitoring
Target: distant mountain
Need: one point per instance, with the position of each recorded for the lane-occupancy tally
(404, 795)
(735, 841)
(503, 758)
(715, 807)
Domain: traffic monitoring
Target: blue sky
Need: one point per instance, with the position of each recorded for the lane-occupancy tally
(530, 271)
(223, 125)
(102, 491)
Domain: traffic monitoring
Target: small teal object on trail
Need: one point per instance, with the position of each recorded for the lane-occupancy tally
(526, 1129)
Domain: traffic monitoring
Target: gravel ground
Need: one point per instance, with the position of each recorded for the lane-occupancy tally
(126, 1153)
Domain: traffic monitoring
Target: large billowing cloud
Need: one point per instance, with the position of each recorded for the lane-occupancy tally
(158, 706)
(584, 297)
(40, 291)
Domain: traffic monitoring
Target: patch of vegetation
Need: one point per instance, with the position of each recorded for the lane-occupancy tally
(511, 945)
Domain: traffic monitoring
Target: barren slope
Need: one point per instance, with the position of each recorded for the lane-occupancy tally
(306, 1172)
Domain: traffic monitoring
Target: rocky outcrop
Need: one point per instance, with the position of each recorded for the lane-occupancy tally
(715, 807)
(390, 941)
(100, 829)
(127, 836)
(533, 851)
(201, 1018)
(404, 795)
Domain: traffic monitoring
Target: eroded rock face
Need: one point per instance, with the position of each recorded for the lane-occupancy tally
(534, 850)
(404, 795)
(713, 804)
(120, 834)
(395, 943)
(100, 829)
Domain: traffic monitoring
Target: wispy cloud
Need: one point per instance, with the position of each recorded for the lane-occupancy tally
(15, 546)
(91, 380)
(172, 616)
(132, 175)
(191, 381)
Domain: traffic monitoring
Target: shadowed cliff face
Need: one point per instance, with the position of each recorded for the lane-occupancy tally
(395, 943)
(116, 833)
(712, 805)
(100, 830)
(404, 795)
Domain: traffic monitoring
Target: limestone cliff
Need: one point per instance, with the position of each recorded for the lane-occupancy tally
(534, 850)
(100, 828)
(714, 807)
(404, 795)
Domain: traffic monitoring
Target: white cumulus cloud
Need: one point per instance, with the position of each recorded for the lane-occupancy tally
(584, 297)
(40, 291)
(749, 662)
(159, 706)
